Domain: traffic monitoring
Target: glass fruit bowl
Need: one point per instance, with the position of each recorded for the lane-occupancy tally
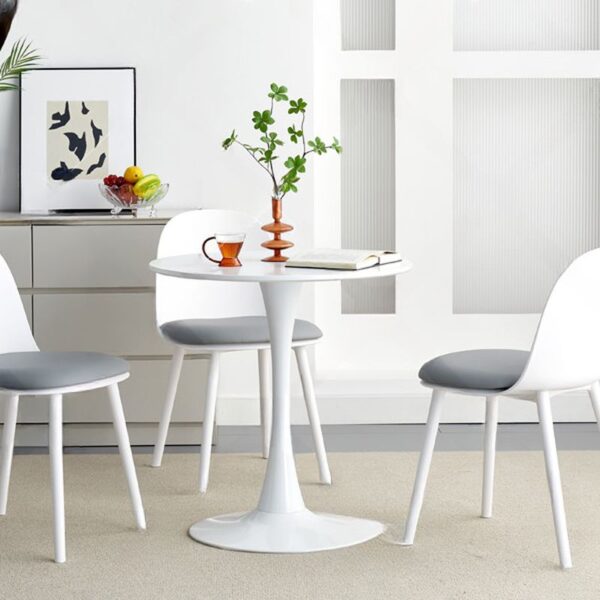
(123, 198)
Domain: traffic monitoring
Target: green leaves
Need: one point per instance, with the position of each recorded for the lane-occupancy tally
(296, 163)
(264, 153)
(278, 92)
(335, 145)
(229, 141)
(288, 183)
(262, 120)
(317, 145)
(22, 58)
(271, 140)
(295, 134)
(297, 106)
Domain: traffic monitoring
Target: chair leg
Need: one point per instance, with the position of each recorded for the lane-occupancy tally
(165, 419)
(209, 419)
(8, 444)
(313, 412)
(595, 398)
(416, 502)
(553, 474)
(266, 408)
(489, 455)
(126, 455)
(56, 469)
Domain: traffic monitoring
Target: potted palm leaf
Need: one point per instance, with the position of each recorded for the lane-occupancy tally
(21, 58)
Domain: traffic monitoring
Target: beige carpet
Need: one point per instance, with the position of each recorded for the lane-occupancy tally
(457, 554)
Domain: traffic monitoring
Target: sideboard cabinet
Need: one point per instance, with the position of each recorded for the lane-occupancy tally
(85, 285)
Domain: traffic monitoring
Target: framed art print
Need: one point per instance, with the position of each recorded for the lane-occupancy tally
(76, 126)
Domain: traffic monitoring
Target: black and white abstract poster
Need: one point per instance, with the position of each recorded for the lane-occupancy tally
(77, 139)
(77, 126)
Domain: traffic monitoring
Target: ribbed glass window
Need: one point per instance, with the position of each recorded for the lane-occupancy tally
(368, 199)
(368, 24)
(526, 188)
(558, 25)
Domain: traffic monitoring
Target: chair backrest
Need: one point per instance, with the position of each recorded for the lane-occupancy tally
(15, 333)
(566, 349)
(194, 299)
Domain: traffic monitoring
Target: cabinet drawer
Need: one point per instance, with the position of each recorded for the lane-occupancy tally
(15, 247)
(94, 255)
(143, 395)
(121, 324)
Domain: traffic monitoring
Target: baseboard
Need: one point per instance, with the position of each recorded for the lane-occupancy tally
(352, 403)
(102, 434)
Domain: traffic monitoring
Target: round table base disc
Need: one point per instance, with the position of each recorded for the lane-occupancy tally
(297, 532)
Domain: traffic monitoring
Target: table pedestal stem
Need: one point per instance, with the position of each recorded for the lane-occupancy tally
(281, 490)
(281, 523)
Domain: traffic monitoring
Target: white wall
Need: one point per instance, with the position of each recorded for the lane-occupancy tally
(202, 67)
(367, 367)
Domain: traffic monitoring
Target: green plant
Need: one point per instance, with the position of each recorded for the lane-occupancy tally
(21, 58)
(265, 153)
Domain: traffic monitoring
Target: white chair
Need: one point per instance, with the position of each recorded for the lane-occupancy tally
(214, 317)
(25, 370)
(564, 356)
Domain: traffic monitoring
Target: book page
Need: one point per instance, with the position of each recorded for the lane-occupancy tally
(333, 255)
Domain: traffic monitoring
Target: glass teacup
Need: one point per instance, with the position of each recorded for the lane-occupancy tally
(230, 245)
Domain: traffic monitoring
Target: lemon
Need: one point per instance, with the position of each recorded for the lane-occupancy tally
(133, 174)
(146, 186)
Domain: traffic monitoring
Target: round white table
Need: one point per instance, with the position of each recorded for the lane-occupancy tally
(280, 522)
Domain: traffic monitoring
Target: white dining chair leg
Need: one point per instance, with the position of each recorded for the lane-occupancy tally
(8, 443)
(56, 470)
(126, 455)
(489, 455)
(313, 413)
(416, 502)
(266, 403)
(165, 419)
(594, 392)
(553, 474)
(209, 419)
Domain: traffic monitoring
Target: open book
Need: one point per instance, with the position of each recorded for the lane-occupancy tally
(347, 260)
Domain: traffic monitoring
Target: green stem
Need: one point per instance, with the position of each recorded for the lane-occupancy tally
(271, 167)
(254, 157)
(303, 138)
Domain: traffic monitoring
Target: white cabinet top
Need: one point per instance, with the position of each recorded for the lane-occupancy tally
(13, 218)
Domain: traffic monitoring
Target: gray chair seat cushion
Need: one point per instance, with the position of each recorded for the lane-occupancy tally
(231, 330)
(49, 370)
(494, 370)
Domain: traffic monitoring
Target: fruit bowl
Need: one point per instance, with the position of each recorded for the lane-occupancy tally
(123, 198)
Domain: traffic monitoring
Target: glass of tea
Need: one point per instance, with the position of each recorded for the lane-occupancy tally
(230, 245)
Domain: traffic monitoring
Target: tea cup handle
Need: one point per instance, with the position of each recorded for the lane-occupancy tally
(204, 249)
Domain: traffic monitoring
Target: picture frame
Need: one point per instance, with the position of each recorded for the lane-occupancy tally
(76, 125)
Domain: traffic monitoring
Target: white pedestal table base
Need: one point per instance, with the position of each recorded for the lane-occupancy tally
(280, 523)
(302, 531)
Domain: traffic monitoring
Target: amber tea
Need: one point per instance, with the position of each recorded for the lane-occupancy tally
(230, 245)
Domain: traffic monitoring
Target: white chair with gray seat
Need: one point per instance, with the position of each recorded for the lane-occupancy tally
(25, 370)
(563, 357)
(210, 317)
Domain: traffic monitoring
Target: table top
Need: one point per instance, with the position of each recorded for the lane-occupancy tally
(195, 266)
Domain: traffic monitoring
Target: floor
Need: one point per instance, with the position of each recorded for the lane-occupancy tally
(456, 556)
(387, 438)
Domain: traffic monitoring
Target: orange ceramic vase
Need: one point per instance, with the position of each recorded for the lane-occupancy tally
(277, 228)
